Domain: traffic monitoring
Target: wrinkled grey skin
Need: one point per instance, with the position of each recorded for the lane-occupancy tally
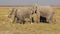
(20, 15)
(46, 12)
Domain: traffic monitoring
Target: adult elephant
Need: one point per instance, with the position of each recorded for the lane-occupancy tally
(21, 14)
(45, 11)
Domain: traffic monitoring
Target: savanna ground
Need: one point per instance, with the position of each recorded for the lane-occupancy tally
(15, 28)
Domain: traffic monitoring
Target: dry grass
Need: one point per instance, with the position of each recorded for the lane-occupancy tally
(42, 28)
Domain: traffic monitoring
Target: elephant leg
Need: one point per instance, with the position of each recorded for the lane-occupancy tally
(48, 19)
(15, 19)
(53, 20)
(31, 19)
(23, 20)
(38, 21)
(38, 16)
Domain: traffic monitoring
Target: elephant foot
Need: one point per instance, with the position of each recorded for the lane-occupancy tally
(31, 22)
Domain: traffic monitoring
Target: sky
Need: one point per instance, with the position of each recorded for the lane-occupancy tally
(29, 2)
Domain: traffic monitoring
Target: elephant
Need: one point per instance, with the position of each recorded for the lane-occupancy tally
(21, 14)
(46, 12)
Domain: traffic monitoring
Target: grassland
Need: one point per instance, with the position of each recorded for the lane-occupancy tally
(42, 28)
